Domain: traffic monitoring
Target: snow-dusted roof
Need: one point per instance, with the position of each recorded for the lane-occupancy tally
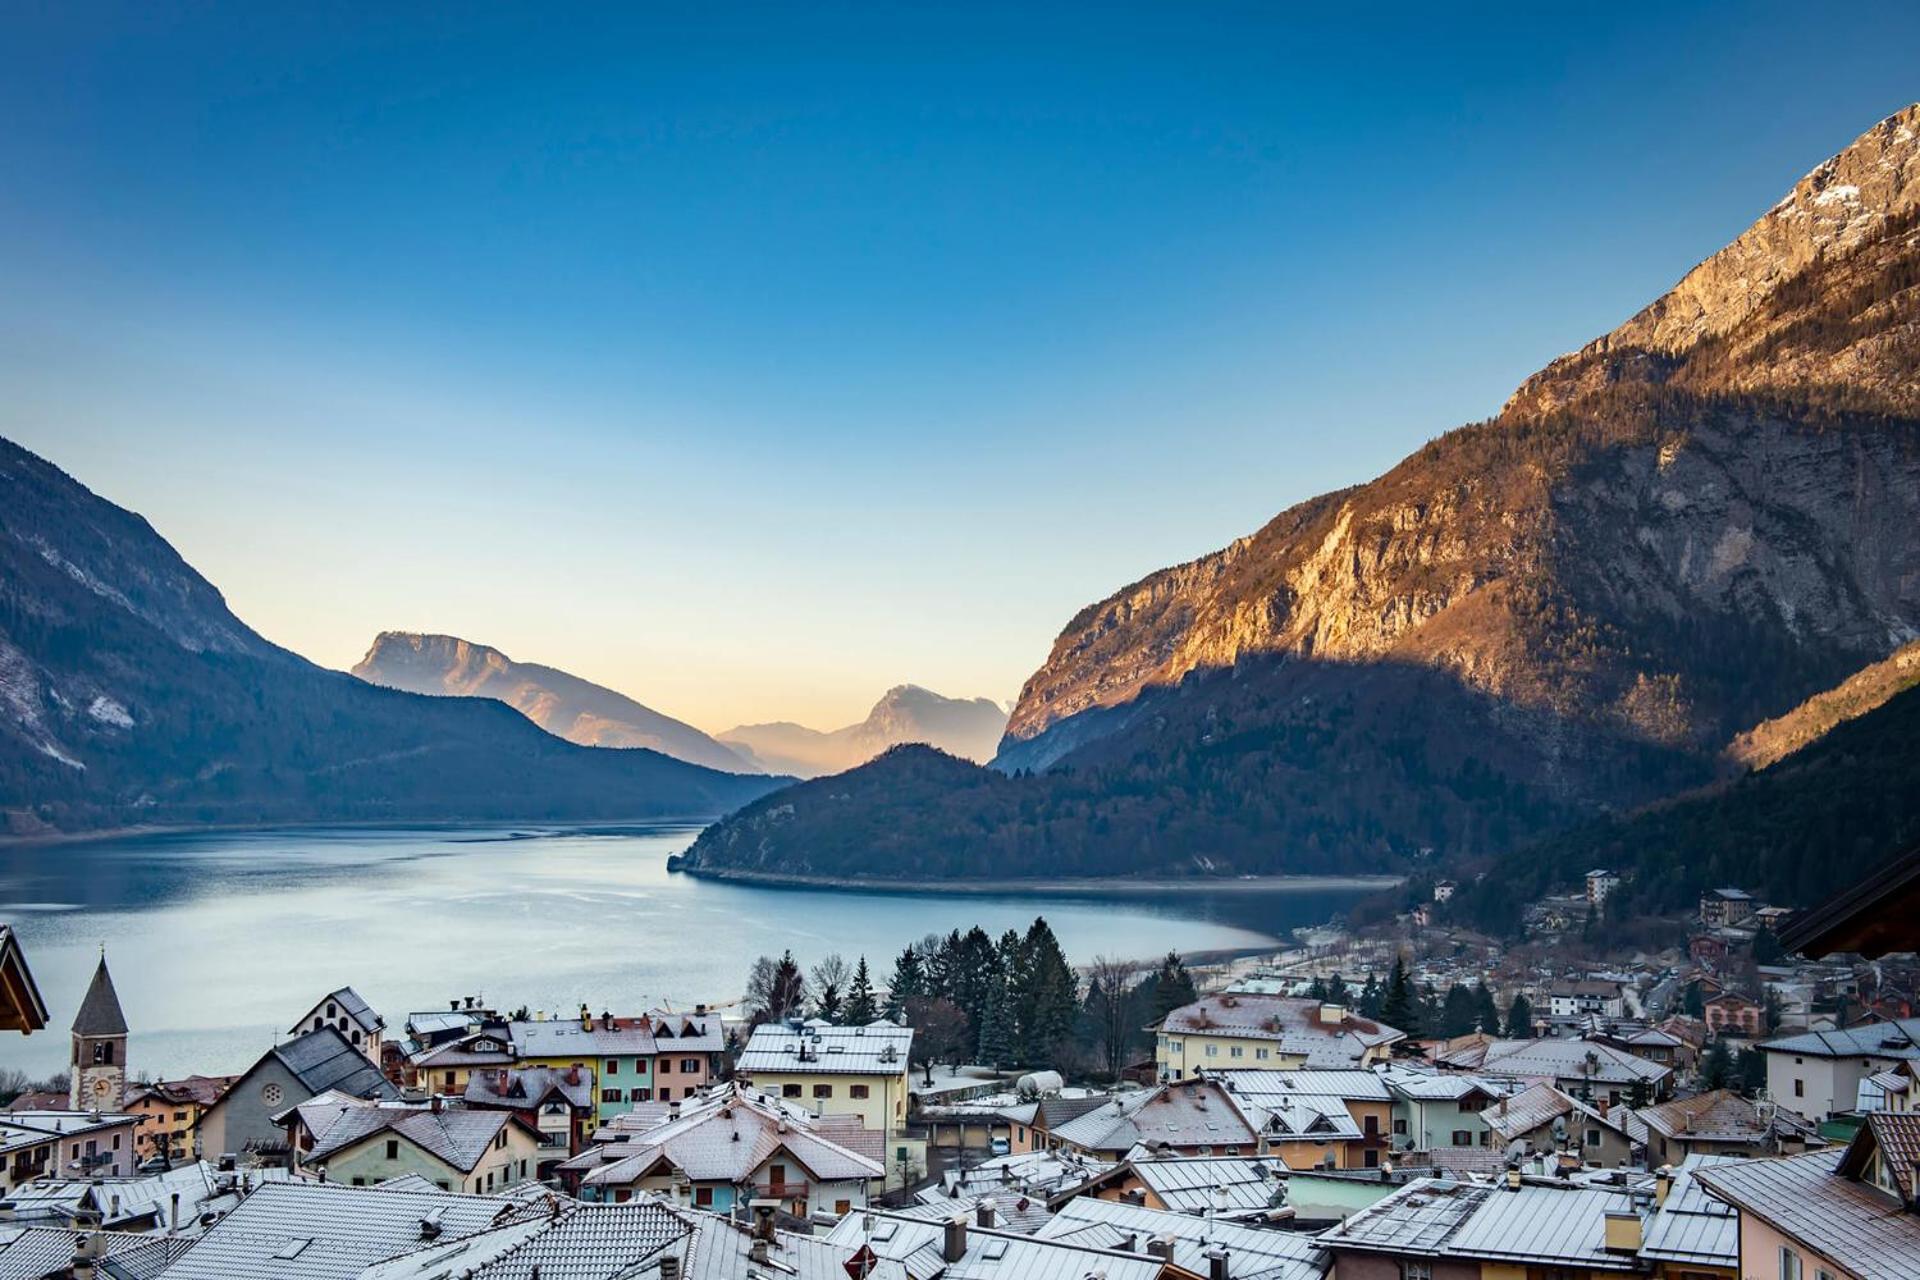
(879, 1049)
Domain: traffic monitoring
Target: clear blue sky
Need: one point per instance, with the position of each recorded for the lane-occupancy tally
(752, 360)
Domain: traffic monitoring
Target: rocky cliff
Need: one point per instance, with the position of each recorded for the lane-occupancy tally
(1692, 523)
(562, 704)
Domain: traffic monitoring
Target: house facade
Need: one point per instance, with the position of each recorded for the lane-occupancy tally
(169, 1114)
(345, 1011)
(1241, 1030)
(834, 1070)
(242, 1120)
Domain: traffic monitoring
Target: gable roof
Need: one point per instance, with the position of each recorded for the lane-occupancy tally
(323, 1059)
(21, 1007)
(1719, 1116)
(575, 1242)
(100, 1009)
(1894, 1038)
(734, 1132)
(819, 1048)
(1109, 1224)
(354, 1006)
(1553, 1058)
(1513, 1118)
(1189, 1114)
(1802, 1198)
(1295, 1026)
(456, 1138)
(1896, 1136)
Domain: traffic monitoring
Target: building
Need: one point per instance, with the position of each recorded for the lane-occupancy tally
(169, 1113)
(346, 1012)
(1193, 1117)
(1443, 890)
(1847, 1215)
(64, 1144)
(1228, 1030)
(1224, 1186)
(1525, 1227)
(446, 1067)
(834, 1070)
(21, 1008)
(1600, 885)
(1586, 996)
(558, 1103)
(97, 1067)
(1325, 1119)
(1818, 1073)
(1587, 1069)
(656, 1057)
(241, 1121)
(960, 1247)
(1544, 1120)
(1732, 1014)
(1193, 1245)
(1440, 1111)
(363, 1144)
(735, 1146)
(1724, 908)
(1722, 1123)
(1033, 1123)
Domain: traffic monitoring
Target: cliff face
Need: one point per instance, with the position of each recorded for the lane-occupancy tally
(562, 704)
(1691, 524)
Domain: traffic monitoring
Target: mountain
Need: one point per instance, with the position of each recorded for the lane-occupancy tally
(1871, 687)
(966, 727)
(1819, 819)
(562, 704)
(1688, 526)
(129, 692)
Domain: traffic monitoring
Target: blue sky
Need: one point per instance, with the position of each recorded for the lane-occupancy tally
(752, 360)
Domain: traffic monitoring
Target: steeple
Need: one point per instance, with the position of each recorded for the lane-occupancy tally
(100, 1012)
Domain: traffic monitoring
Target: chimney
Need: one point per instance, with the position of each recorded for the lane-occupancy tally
(1161, 1247)
(586, 1018)
(1623, 1233)
(434, 1106)
(173, 1214)
(1662, 1183)
(1217, 1263)
(1332, 1015)
(757, 1252)
(954, 1245)
(1513, 1179)
(670, 1267)
(1601, 1106)
(763, 1218)
(1129, 1243)
(983, 1213)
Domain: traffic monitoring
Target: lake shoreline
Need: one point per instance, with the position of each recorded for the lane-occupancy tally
(1046, 886)
(140, 831)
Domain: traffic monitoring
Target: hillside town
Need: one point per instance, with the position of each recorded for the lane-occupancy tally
(1400, 1099)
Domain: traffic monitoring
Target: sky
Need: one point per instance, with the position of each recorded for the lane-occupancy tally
(751, 360)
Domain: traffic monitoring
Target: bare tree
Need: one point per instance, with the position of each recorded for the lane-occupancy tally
(1110, 1005)
(776, 989)
(830, 978)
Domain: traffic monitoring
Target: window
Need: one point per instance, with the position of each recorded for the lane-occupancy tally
(1462, 1138)
(359, 1182)
(500, 1138)
(1373, 1126)
(1410, 1270)
(1789, 1264)
(1213, 1051)
(1799, 1088)
(857, 1091)
(613, 1066)
(703, 1196)
(449, 1081)
(356, 1036)
(612, 1095)
(1174, 1045)
(1236, 1052)
(823, 1091)
(689, 1066)
(1372, 1160)
(393, 1149)
(179, 1115)
(665, 1067)
(1260, 1055)
(843, 1207)
(103, 1052)
(789, 1090)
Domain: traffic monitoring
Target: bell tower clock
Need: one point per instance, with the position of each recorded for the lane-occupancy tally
(98, 1071)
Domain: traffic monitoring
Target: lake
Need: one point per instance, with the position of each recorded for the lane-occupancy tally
(219, 940)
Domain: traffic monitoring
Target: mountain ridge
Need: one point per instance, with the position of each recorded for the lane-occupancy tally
(966, 727)
(566, 705)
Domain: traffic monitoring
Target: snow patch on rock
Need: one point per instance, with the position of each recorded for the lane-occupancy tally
(107, 711)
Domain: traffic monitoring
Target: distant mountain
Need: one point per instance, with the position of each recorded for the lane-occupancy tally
(1871, 687)
(1689, 526)
(129, 692)
(965, 727)
(562, 704)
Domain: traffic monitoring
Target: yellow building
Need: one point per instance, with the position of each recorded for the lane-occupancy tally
(833, 1070)
(1228, 1031)
(169, 1112)
(455, 1149)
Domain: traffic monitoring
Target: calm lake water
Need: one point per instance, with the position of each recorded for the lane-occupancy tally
(218, 941)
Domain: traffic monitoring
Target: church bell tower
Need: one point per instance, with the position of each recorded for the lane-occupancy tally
(98, 1072)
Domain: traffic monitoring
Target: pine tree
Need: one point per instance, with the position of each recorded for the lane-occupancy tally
(996, 1030)
(909, 981)
(1460, 1013)
(1520, 1018)
(1399, 1007)
(861, 1007)
(1318, 991)
(1716, 1069)
(1337, 992)
(1172, 987)
(1486, 1011)
(1371, 997)
(1049, 1000)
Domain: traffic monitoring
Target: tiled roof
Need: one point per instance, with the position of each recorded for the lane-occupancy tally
(1692, 1227)
(459, 1138)
(989, 1255)
(731, 1135)
(29, 1253)
(323, 1059)
(878, 1049)
(1192, 1114)
(1295, 1025)
(1552, 1224)
(1893, 1039)
(1857, 1226)
(1540, 1105)
(480, 1049)
(1719, 1116)
(326, 1231)
(575, 1242)
(525, 1088)
(1417, 1219)
(1897, 1136)
(1552, 1058)
(1106, 1224)
(200, 1090)
(100, 1009)
(1205, 1184)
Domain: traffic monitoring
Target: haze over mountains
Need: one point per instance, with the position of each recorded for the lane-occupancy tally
(562, 704)
(966, 727)
(129, 692)
(1690, 526)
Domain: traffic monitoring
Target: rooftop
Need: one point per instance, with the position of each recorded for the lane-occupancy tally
(1899, 1038)
(879, 1048)
(1324, 1034)
(1863, 1229)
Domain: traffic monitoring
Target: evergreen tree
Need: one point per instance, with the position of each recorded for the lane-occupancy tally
(1695, 1003)
(1048, 999)
(1318, 991)
(1371, 997)
(1487, 1012)
(1337, 992)
(909, 980)
(861, 1007)
(1172, 988)
(996, 1027)
(1750, 1072)
(1639, 1093)
(1460, 1013)
(1399, 1007)
(1716, 1069)
(1520, 1018)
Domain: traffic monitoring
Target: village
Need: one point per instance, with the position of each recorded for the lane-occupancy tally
(1403, 1100)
